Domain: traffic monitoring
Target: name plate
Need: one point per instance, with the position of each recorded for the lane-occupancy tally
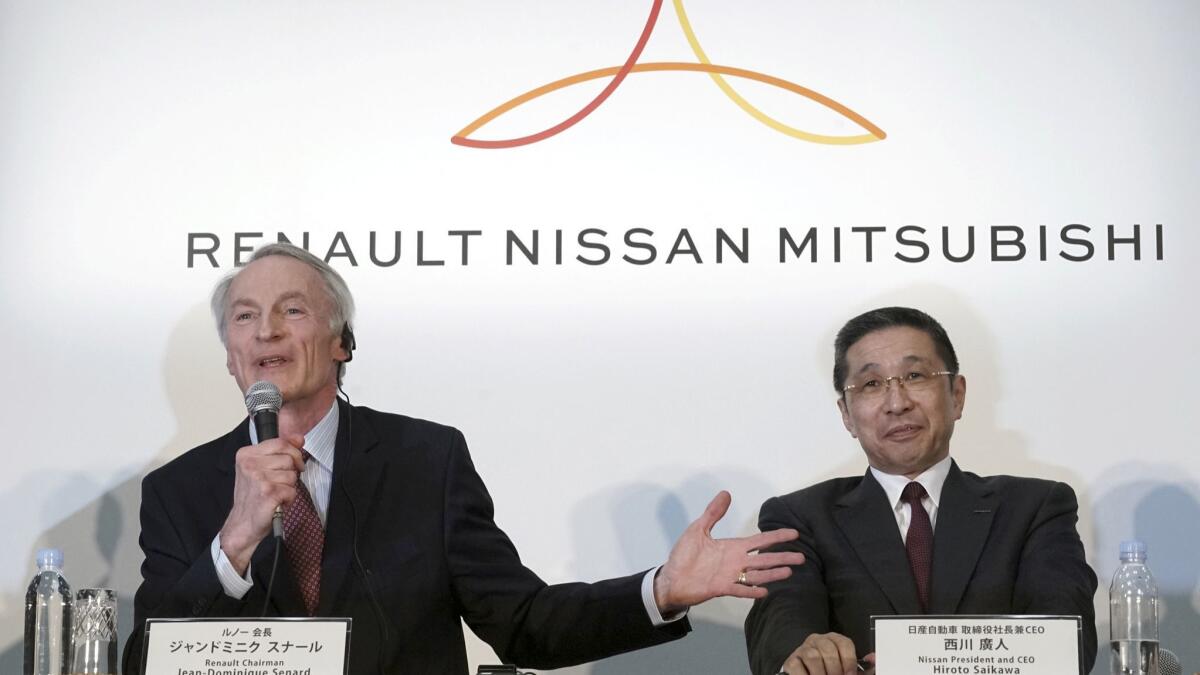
(290, 646)
(976, 645)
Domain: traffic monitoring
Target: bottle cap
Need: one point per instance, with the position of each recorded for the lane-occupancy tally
(1132, 549)
(49, 557)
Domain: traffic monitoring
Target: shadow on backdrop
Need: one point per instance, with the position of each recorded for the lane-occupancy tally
(716, 644)
(1143, 503)
(99, 541)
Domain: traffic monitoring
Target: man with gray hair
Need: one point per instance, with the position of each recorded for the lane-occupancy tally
(385, 519)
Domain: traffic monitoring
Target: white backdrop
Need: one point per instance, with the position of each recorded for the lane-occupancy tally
(605, 404)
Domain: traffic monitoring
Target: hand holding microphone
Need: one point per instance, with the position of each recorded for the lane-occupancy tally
(265, 478)
(263, 401)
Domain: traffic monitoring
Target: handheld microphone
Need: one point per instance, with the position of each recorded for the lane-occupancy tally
(263, 402)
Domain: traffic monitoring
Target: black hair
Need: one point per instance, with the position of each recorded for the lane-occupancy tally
(889, 317)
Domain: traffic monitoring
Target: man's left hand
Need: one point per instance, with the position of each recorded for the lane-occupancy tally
(701, 568)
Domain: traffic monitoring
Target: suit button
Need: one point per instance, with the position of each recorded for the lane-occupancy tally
(198, 608)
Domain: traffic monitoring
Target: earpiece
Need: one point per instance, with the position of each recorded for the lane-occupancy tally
(348, 342)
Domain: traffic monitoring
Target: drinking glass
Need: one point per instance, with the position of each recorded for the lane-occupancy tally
(95, 632)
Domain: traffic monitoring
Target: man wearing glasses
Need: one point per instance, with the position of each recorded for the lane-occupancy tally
(914, 534)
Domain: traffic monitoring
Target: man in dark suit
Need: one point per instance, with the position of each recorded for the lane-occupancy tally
(385, 519)
(914, 534)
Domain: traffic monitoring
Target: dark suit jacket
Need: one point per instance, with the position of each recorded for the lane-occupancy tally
(428, 544)
(1002, 545)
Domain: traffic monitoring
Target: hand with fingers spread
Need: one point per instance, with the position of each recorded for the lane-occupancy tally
(265, 477)
(824, 654)
(701, 568)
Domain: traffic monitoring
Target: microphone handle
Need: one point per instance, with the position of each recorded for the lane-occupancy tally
(266, 425)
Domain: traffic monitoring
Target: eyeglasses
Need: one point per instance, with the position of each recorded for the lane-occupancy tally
(873, 388)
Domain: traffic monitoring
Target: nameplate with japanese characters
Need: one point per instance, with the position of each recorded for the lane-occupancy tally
(977, 645)
(247, 647)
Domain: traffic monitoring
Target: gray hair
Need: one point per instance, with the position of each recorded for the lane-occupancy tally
(339, 293)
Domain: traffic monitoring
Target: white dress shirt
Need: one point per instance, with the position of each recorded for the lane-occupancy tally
(317, 476)
(932, 479)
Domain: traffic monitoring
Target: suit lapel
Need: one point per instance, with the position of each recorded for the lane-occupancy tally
(356, 471)
(866, 519)
(964, 519)
(285, 594)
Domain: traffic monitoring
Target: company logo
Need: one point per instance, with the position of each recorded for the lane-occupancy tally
(718, 73)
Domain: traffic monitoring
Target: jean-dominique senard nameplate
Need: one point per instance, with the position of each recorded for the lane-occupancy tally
(247, 647)
(976, 645)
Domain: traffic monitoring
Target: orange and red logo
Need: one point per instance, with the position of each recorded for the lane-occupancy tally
(718, 73)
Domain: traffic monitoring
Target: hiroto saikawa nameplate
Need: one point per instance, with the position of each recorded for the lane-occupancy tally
(247, 647)
(976, 645)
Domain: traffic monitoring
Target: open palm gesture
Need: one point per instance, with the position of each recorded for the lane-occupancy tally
(701, 568)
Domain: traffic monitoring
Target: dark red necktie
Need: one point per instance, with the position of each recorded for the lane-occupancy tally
(304, 539)
(919, 541)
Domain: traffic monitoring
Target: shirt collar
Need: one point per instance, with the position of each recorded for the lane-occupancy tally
(319, 442)
(932, 479)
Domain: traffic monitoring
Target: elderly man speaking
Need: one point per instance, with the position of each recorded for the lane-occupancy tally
(385, 519)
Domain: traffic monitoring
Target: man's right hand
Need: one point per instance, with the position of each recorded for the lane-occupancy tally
(823, 654)
(265, 477)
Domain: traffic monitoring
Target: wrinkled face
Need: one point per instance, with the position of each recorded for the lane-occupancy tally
(903, 432)
(278, 330)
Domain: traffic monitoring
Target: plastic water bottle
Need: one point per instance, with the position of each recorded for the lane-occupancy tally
(1133, 614)
(48, 617)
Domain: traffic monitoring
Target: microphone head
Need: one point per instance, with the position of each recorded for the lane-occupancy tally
(1168, 663)
(263, 395)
